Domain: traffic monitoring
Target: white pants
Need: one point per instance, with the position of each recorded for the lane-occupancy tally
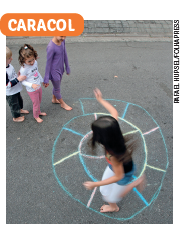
(111, 193)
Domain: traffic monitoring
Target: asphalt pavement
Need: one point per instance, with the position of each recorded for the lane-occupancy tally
(44, 167)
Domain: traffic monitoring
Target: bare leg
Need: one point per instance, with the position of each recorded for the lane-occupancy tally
(141, 186)
(54, 99)
(140, 183)
(64, 105)
(112, 207)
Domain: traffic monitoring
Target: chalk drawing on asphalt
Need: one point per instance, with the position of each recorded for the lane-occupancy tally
(71, 146)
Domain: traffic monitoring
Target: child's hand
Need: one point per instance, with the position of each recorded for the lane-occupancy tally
(89, 185)
(45, 84)
(21, 78)
(98, 94)
(35, 86)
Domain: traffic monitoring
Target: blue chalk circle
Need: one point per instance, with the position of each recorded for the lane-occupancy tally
(72, 147)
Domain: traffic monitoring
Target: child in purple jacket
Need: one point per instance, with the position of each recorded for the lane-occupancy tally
(56, 58)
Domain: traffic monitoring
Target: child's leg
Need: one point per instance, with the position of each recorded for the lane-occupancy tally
(116, 192)
(20, 100)
(56, 98)
(40, 99)
(56, 82)
(36, 104)
(13, 103)
(110, 193)
(24, 111)
(40, 94)
(112, 207)
(140, 182)
(64, 105)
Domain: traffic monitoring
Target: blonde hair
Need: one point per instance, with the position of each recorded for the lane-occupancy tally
(8, 53)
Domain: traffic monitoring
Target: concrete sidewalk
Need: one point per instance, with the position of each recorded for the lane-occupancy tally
(140, 27)
(112, 30)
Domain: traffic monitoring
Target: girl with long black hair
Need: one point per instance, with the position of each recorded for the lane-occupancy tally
(115, 182)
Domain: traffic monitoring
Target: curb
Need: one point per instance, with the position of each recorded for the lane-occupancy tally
(87, 38)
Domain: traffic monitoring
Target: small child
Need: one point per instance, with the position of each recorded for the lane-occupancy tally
(117, 175)
(13, 88)
(56, 58)
(29, 68)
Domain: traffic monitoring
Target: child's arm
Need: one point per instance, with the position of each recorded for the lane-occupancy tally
(26, 83)
(118, 175)
(106, 104)
(66, 60)
(13, 82)
(50, 55)
(29, 84)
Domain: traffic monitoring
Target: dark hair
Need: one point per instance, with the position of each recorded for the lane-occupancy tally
(106, 131)
(25, 52)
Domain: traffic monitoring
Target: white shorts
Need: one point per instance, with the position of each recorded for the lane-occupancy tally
(111, 193)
